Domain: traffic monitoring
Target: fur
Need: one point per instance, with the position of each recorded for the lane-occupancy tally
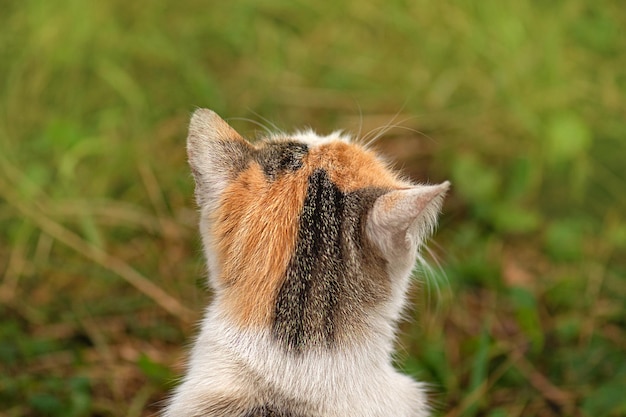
(310, 242)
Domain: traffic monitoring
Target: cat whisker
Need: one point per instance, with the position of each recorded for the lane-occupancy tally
(367, 142)
(360, 121)
(416, 131)
(433, 273)
(377, 133)
(268, 121)
(267, 130)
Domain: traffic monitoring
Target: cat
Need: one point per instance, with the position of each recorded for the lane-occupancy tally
(310, 242)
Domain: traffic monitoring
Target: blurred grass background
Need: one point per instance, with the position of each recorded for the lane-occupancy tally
(521, 104)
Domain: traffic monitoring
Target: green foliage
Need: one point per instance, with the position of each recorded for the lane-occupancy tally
(521, 104)
(568, 137)
(154, 370)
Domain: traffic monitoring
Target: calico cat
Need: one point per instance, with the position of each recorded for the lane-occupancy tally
(310, 242)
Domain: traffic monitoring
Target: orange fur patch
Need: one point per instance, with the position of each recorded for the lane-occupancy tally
(351, 167)
(256, 231)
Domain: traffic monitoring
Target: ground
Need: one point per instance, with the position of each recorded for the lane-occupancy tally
(521, 105)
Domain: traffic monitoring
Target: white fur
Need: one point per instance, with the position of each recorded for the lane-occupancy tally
(309, 137)
(355, 380)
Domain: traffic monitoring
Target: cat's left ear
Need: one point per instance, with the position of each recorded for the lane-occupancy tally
(216, 152)
(401, 220)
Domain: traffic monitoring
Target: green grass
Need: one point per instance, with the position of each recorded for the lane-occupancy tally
(520, 104)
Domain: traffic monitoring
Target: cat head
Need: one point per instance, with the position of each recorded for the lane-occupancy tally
(305, 234)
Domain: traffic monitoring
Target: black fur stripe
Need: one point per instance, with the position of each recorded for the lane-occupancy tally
(238, 408)
(269, 411)
(278, 157)
(333, 273)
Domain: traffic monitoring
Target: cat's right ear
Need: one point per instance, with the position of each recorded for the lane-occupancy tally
(401, 220)
(216, 153)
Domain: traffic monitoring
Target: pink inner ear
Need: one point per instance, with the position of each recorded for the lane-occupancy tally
(402, 206)
(403, 216)
(425, 194)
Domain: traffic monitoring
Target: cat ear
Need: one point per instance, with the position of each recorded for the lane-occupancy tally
(216, 153)
(401, 220)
